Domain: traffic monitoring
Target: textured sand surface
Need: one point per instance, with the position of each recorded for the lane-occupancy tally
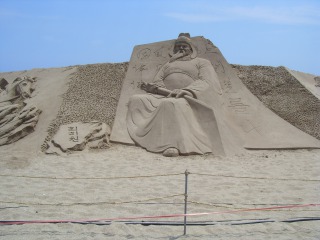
(85, 186)
(92, 94)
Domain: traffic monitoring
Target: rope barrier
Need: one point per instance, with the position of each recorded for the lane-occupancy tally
(256, 209)
(214, 205)
(96, 203)
(154, 217)
(194, 223)
(185, 215)
(255, 178)
(223, 205)
(159, 175)
(93, 178)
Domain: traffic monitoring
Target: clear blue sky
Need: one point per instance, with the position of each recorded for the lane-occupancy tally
(58, 33)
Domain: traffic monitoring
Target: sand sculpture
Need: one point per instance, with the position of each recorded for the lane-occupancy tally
(19, 89)
(174, 118)
(228, 123)
(89, 102)
(187, 112)
(79, 136)
(17, 118)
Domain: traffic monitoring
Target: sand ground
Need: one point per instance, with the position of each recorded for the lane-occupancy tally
(86, 185)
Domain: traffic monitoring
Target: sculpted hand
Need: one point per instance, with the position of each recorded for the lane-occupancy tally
(149, 87)
(179, 93)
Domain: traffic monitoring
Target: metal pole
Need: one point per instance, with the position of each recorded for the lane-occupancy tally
(186, 173)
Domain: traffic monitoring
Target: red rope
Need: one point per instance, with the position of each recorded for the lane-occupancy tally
(160, 216)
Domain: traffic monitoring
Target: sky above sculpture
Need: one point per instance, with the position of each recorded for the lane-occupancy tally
(58, 33)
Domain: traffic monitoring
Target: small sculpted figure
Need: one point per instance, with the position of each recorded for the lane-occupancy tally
(168, 119)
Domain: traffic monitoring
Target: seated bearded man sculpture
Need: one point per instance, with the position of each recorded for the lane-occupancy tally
(167, 119)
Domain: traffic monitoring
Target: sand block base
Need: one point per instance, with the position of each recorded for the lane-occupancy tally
(78, 136)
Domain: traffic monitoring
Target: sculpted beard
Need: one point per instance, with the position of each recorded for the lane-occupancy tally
(179, 54)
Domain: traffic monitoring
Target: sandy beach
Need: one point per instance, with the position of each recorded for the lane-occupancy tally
(126, 181)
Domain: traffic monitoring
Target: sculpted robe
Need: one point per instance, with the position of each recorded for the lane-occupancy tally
(157, 123)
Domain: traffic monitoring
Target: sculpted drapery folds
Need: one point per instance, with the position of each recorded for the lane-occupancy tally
(172, 117)
(18, 118)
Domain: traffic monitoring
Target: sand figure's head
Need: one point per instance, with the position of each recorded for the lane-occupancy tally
(183, 46)
(23, 87)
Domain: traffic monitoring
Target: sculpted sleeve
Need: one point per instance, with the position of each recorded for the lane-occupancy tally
(159, 77)
(207, 78)
(209, 75)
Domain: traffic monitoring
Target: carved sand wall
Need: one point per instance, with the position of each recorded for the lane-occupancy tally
(92, 95)
(44, 95)
(281, 92)
(244, 122)
(57, 108)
